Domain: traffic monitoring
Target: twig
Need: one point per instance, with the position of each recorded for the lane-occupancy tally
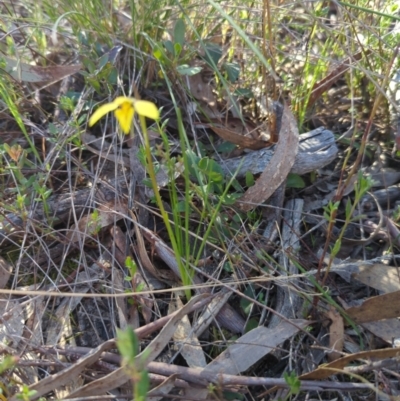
(203, 377)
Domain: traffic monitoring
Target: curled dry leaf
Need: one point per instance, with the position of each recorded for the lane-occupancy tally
(249, 349)
(336, 334)
(23, 72)
(5, 272)
(239, 133)
(13, 322)
(277, 170)
(145, 301)
(186, 340)
(335, 74)
(201, 89)
(90, 225)
(379, 276)
(387, 330)
(326, 370)
(384, 306)
(164, 388)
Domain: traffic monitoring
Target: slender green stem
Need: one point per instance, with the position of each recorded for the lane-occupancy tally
(184, 274)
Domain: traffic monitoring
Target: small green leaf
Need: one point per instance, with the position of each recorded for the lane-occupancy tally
(103, 61)
(53, 129)
(112, 77)
(177, 49)
(179, 32)
(226, 147)
(211, 169)
(229, 395)
(336, 248)
(158, 54)
(295, 181)
(128, 345)
(213, 54)
(293, 382)
(180, 207)
(185, 69)
(230, 199)
(245, 92)
(228, 267)
(249, 179)
(246, 304)
(131, 266)
(193, 161)
(7, 363)
(251, 324)
(233, 71)
(169, 46)
(90, 66)
(142, 386)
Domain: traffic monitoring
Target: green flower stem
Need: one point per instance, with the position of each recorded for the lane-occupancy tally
(184, 275)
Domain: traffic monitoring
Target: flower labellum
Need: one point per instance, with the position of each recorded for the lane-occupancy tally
(124, 109)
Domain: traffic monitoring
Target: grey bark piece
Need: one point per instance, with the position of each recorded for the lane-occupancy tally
(248, 350)
(288, 301)
(317, 148)
(385, 197)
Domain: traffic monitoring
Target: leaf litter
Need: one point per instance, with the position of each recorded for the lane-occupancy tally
(77, 240)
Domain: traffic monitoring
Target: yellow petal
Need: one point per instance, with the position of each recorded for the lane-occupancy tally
(119, 100)
(102, 111)
(124, 115)
(147, 109)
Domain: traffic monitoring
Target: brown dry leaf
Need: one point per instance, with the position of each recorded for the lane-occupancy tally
(145, 300)
(239, 133)
(387, 330)
(5, 272)
(118, 287)
(60, 325)
(383, 278)
(381, 307)
(90, 225)
(162, 389)
(384, 176)
(61, 378)
(201, 89)
(119, 244)
(13, 322)
(332, 368)
(277, 170)
(249, 349)
(254, 345)
(392, 230)
(23, 72)
(14, 151)
(186, 340)
(212, 310)
(336, 334)
(379, 276)
(119, 376)
(322, 86)
(60, 322)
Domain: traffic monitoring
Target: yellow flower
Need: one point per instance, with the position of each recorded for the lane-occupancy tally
(124, 108)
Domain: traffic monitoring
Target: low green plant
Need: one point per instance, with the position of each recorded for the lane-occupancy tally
(293, 382)
(26, 189)
(361, 187)
(26, 394)
(135, 365)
